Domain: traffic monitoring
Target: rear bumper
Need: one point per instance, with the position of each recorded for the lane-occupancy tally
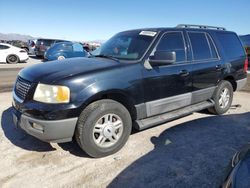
(46, 130)
(241, 83)
(23, 57)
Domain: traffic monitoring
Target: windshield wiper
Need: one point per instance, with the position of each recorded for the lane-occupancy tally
(106, 56)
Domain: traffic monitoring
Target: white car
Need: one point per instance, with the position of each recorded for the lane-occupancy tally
(11, 54)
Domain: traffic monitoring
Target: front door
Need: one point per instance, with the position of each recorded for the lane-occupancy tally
(168, 87)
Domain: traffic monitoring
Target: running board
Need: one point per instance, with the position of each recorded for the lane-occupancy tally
(163, 118)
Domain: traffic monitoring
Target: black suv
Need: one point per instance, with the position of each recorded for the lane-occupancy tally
(138, 78)
(43, 44)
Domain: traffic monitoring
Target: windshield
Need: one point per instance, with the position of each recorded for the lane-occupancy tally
(130, 45)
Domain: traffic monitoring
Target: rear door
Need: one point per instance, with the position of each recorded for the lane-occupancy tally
(206, 65)
(168, 87)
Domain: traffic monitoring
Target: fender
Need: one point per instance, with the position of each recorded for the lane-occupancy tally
(102, 87)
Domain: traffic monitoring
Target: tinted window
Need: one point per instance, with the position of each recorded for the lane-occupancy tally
(212, 47)
(3, 47)
(45, 42)
(231, 45)
(200, 46)
(77, 47)
(173, 42)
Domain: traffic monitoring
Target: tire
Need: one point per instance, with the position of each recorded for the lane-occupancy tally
(61, 57)
(222, 105)
(39, 56)
(12, 59)
(94, 116)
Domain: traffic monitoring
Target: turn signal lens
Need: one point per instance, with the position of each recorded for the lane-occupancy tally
(62, 94)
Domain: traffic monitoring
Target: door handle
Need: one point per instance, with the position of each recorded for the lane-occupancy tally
(184, 73)
(218, 67)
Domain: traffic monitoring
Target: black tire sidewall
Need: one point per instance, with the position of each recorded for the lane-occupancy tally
(223, 84)
(87, 142)
(12, 62)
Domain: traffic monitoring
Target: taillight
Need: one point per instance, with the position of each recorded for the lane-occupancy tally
(246, 65)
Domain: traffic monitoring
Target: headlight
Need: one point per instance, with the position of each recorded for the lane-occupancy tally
(52, 94)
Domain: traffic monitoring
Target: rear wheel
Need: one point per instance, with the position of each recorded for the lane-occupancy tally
(12, 59)
(103, 128)
(223, 98)
(61, 57)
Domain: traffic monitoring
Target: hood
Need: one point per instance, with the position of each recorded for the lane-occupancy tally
(56, 70)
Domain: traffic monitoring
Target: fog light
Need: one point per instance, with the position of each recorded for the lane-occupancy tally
(37, 127)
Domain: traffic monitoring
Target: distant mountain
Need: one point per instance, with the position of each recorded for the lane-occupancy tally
(14, 36)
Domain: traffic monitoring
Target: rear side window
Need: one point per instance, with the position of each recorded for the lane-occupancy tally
(173, 42)
(202, 46)
(231, 45)
(212, 47)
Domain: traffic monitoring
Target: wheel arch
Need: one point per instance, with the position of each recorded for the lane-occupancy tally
(116, 95)
(231, 79)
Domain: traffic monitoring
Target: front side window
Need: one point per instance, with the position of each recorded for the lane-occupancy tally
(77, 47)
(130, 45)
(173, 42)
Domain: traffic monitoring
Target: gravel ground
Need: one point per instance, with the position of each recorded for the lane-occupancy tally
(193, 154)
(247, 86)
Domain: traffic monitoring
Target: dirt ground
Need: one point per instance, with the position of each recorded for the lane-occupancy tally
(193, 151)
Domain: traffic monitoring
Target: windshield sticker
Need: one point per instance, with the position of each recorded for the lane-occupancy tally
(148, 33)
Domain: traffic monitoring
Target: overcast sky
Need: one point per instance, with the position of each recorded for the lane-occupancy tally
(100, 19)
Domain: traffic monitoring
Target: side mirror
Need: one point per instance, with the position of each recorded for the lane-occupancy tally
(162, 58)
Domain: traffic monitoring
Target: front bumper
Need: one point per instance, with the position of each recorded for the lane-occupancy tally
(46, 130)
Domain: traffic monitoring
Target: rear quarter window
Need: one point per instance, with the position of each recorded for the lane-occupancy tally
(231, 45)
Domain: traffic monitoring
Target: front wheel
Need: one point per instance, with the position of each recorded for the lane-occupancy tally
(222, 97)
(103, 128)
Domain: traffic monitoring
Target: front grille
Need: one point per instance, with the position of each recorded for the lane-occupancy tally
(22, 87)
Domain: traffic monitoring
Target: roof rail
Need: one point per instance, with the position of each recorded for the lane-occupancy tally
(200, 27)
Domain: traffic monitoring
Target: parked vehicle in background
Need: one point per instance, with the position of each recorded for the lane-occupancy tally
(20, 44)
(139, 78)
(11, 54)
(32, 46)
(63, 50)
(246, 42)
(43, 44)
(89, 47)
(237, 175)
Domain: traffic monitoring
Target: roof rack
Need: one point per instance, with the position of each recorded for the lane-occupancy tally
(200, 27)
